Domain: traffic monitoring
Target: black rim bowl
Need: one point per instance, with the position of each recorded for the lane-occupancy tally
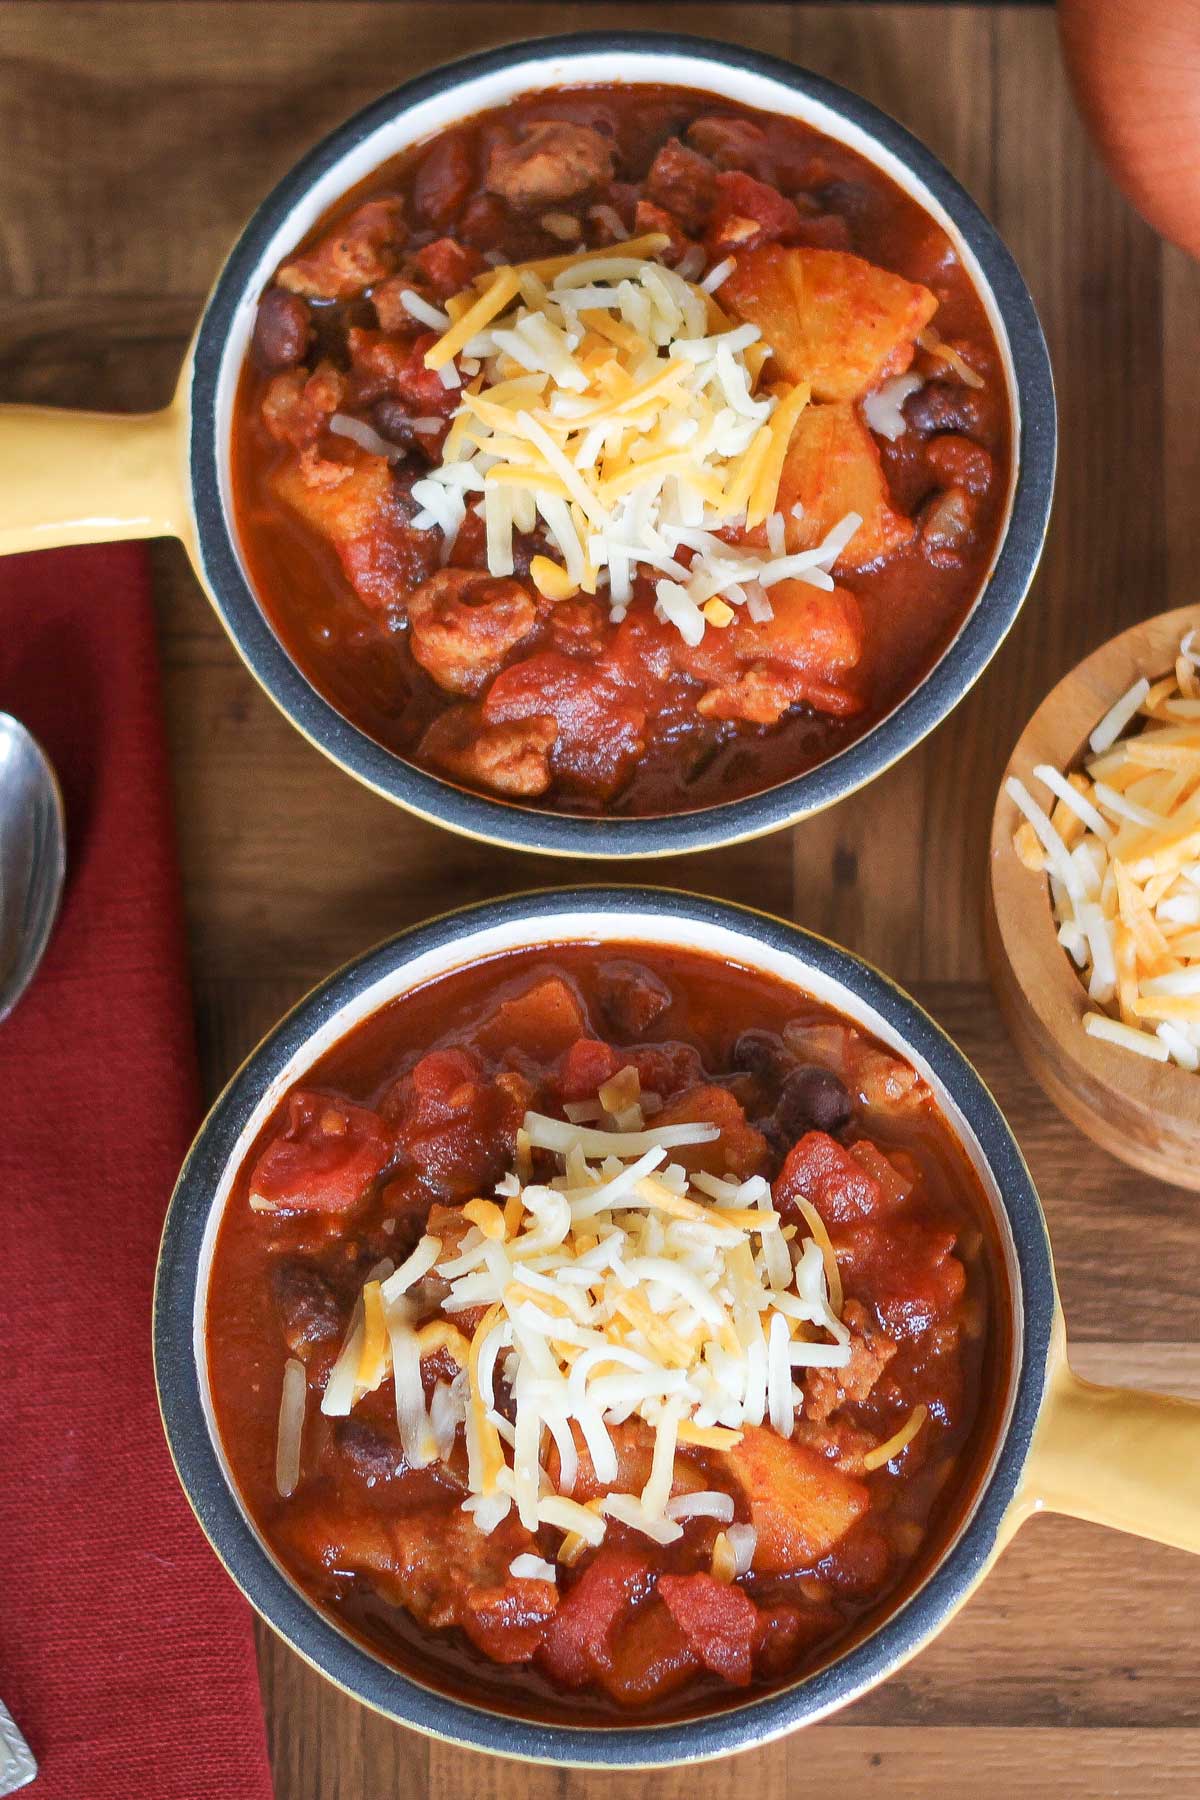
(313, 1634)
(523, 827)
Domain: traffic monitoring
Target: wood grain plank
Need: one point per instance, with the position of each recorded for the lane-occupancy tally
(137, 140)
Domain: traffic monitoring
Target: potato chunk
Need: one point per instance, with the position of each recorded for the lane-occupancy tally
(832, 468)
(832, 319)
(800, 1504)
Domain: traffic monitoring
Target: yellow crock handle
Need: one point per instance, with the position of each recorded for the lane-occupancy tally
(1119, 1457)
(85, 478)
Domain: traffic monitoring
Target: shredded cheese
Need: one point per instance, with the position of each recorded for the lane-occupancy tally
(618, 404)
(619, 1288)
(1121, 846)
(900, 1440)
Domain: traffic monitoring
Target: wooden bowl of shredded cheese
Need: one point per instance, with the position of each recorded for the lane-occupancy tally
(1094, 897)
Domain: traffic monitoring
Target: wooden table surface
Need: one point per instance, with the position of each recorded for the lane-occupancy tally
(136, 138)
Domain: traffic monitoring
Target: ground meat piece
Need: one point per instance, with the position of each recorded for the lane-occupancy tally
(358, 252)
(632, 996)
(366, 520)
(465, 623)
(308, 1307)
(441, 269)
(957, 460)
(282, 330)
(578, 627)
(511, 757)
(871, 1350)
(550, 160)
(683, 184)
(297, 406)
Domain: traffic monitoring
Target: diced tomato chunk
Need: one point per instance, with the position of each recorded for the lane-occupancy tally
(508, 1622)
(384, 363)
(908, 1274)
(821, 1171)
(448, 266)
(326, 1157)
(719, 1621)
(740, 1150)
(453, 1127)
(651, 1657)
(747, 213)
(600, 724)
(586, 1066)
(577, 1646)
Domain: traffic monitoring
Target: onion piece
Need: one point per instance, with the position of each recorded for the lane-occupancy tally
(291, 1427)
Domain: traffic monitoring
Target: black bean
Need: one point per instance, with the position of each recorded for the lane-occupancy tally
(813, 1099)
(762, 1053)
(309, 1309)
(282, 330)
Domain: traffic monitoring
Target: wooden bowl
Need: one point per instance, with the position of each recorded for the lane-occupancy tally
(1144, 1112)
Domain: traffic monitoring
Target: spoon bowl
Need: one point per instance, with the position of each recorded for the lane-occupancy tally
(33, 858)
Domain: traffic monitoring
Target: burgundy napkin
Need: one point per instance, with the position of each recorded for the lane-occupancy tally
(126, 1655)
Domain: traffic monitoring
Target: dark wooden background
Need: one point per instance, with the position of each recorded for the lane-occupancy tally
(135, 140)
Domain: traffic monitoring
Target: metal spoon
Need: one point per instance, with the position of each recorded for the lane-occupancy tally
(33, 858)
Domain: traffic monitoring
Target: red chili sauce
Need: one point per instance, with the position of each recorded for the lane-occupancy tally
(553, 703)
(412, 1116)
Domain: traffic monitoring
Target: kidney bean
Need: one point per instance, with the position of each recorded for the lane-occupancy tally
(282, 330)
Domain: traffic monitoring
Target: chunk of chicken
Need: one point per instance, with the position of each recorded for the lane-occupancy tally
(832, 319)
(356, 253)
(464, 623)
(550, 160)
(511, 757)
